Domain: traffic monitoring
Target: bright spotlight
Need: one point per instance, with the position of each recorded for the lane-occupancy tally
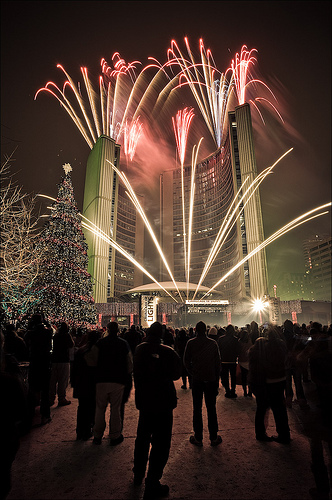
(259, 306)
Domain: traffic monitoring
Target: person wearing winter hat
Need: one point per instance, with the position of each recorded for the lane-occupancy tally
(213, 333)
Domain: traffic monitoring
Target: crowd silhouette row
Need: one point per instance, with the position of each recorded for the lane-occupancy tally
(38, 363)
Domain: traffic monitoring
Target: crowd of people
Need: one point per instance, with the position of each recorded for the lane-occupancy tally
(39, 363)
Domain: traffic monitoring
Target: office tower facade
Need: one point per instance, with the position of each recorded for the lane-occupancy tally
(251, 232)
(217, 182)
(130, 236)
(319, 253)
(106, 205)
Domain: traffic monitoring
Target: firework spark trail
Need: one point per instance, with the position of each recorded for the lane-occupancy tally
(79, 98)
(98, 232)
(120, 67)
(258, 110)
(270, 104)
(191, 206)
(181, 124)
(112, 118)
(68, 107)
(285, 229)
(132, 133)
(240, 68)
(242, 78)
(91, 98)
(233, 215)
(212, 89)
(189, 72)
(217, 92)
(45, 196)
(132, 196)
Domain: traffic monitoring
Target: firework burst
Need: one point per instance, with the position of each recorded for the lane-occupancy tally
(108, 112)
(242, 80)
(118, 110)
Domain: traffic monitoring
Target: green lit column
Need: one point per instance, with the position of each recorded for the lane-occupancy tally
(100, 207)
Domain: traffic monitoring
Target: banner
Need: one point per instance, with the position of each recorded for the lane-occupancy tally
(148, 310)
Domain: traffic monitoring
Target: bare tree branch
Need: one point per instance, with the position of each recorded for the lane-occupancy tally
(19, 250)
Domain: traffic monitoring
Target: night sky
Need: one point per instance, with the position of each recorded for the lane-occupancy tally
(293, 40)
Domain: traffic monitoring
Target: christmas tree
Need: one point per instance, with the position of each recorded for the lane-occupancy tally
(65, 283)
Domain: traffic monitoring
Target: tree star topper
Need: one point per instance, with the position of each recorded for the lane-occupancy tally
(67, 168)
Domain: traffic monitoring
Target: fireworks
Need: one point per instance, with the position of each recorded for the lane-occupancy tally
(302, 219)
(98, 232)
(233, 215)
(209, 87)
(132, 196)
(132, 133)
(124, 93)
(181, 124)
(241, 75)
(191, 207)
(109, 113)
(127, 98)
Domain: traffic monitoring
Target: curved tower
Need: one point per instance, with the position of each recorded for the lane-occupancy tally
(217, 180)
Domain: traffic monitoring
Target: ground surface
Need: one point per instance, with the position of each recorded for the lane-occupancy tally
(51, 464)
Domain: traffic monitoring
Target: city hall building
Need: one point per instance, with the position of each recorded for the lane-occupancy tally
(217, 181)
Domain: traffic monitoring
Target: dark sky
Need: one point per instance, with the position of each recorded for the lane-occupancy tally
(293, 40)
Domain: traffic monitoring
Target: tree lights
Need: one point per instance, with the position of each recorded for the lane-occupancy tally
(65, 283)
(19, 254)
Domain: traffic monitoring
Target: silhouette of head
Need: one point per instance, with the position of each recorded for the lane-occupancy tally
(230, 330)
(200, 328)
(156, 330)
(213, 331)
(113, 328)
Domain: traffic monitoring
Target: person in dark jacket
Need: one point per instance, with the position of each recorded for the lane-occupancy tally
(84, 384)
(62, 342)
(12, 416)
(180, 346)
(133, 337)
(295, 345)
(156, 366)
(202, 360)
(38, 340)
(267, 378)
(113, 359)
(229, 350)
(168, 336)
